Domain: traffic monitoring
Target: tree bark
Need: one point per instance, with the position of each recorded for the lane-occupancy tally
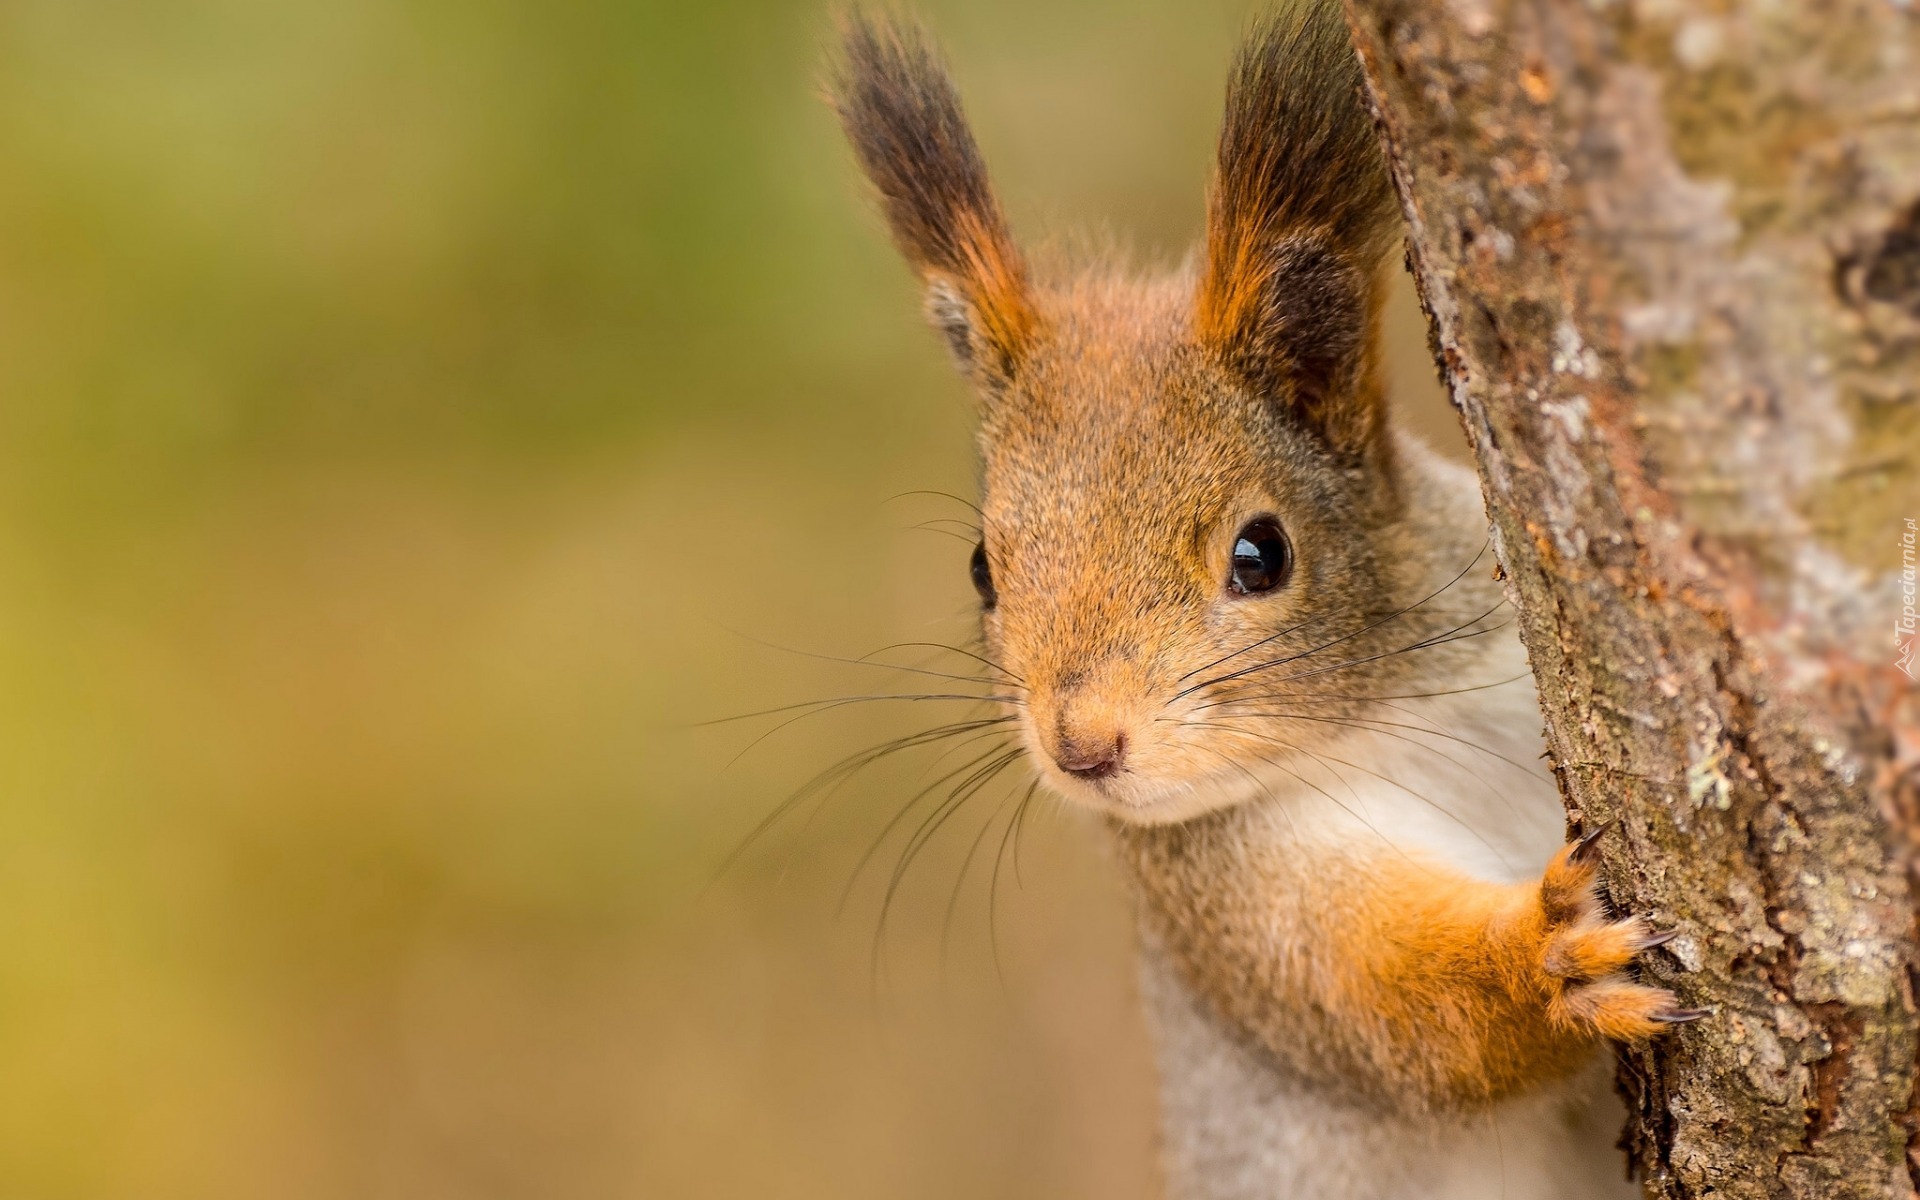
(1671, 255)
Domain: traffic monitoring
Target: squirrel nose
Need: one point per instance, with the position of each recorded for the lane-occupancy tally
(1091, 757)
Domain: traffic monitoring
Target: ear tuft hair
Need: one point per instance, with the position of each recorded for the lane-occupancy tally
(903, 116)
(1298, 220)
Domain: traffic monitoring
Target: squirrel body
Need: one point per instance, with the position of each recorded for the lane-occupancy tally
(1232, 1128)
(1238, 1117)
(1256, 628)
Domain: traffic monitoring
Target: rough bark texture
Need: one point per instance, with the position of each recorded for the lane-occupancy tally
(1671, 252)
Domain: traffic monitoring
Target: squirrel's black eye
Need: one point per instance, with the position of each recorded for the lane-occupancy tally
(1262, 558)
(982, 576)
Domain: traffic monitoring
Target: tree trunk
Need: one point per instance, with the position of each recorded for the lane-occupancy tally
(1671, 253)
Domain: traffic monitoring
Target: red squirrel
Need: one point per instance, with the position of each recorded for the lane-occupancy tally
(1252, 625)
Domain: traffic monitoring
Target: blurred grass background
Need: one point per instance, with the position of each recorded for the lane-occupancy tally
(410, 413)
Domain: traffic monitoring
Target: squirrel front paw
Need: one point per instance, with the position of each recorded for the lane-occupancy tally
(1583, 953)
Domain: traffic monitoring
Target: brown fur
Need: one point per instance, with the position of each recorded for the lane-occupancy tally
(1129, 429)
(1396, 980)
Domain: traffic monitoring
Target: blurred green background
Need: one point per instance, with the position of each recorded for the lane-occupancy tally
(414, 416)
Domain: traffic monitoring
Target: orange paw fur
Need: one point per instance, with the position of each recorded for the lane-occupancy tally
(1584, 953)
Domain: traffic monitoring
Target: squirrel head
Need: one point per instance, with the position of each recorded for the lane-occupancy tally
(1193, 515)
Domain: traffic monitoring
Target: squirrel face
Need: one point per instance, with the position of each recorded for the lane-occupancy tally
(1124, 467)
(1192, 523)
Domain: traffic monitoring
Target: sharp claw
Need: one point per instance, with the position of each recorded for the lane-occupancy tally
(1585, 850)
(1658, 939)
(1681, 1016)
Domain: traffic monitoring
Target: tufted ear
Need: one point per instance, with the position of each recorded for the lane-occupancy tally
(1298, 220)
(903, 116)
